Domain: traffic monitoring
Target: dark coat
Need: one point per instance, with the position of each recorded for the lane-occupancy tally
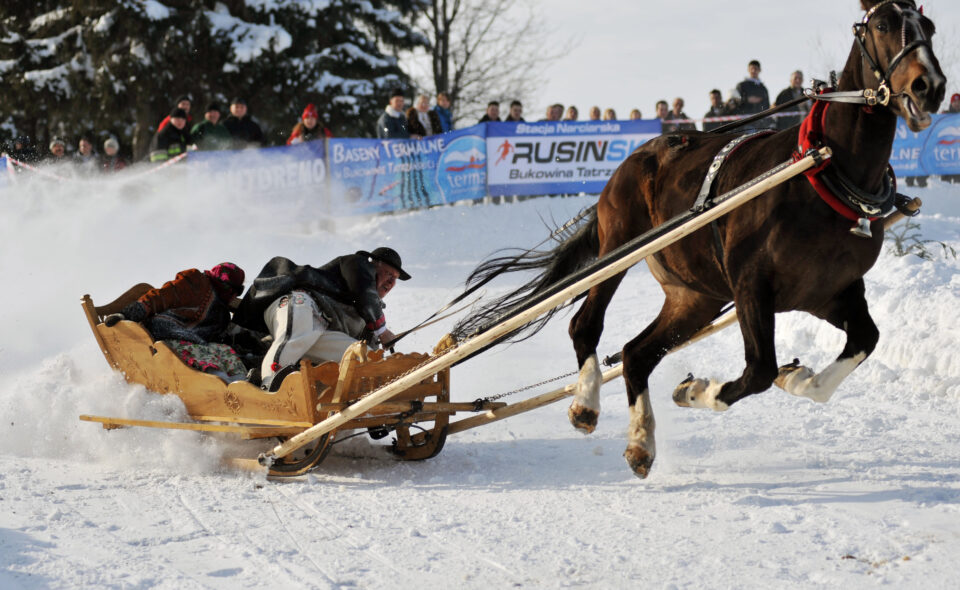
(752, 88)
(349, 280)
(245, 132)
(390, 127)
(301, 133)
(169, 143)
(415, 127)
(720, 111)
(785, 96)
(211, 136)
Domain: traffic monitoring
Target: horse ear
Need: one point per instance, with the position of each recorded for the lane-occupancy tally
(868, 4)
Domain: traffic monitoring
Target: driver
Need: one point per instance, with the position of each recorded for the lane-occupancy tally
(317, 313)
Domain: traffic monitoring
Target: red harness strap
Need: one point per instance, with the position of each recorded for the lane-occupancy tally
(811, 137)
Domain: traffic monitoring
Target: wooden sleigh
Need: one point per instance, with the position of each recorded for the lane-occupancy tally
(305, 397)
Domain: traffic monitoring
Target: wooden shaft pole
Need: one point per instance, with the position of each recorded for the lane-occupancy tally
(495, 333)
(912, 205)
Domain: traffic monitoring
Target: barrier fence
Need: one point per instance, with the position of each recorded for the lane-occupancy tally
(360, 176)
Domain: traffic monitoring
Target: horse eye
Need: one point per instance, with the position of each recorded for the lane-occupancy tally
(882, 27)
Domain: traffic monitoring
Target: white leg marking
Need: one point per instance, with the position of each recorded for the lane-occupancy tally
(700, 393)
(642, 425)
(588, 385)
(820, 387)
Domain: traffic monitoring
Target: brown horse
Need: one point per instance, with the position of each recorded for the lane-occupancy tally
(785, 250)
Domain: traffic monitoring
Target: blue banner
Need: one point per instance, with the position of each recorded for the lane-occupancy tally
(282, 170)
(935, 150)
(4, 173)
(561, 157)
(377, 175)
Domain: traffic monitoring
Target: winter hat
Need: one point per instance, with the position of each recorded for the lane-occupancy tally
(396, 92)
(239, 100)
(389, 256)
(57, 141)
(178, 112)
(111, 143)
(955, 97)
(213, 107)
(229, 273)
(185, 97)
(310, 111)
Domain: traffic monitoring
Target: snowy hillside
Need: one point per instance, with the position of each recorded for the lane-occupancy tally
(778, 492)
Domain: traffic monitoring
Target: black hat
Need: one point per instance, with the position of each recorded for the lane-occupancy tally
(238, 100)
(178, 112)
(213, 107)
(185, 97)
(396, 92)
(389, 256)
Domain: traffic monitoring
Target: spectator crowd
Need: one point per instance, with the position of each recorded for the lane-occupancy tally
(177, 133)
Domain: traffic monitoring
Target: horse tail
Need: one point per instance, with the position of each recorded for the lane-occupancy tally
(577, 246)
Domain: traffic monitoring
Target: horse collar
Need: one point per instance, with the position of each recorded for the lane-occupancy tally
(836, 190)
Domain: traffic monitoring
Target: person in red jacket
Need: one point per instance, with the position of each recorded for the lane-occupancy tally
(309, 127)
(183, 102)
(190, 314)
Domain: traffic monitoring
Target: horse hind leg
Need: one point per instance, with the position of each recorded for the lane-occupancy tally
(585, 329)
(755, 310)
(850, 314)
(683, 313)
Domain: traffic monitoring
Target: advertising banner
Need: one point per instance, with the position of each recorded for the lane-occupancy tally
(4, 173)
(562, 157)
(377, 175)
(272, 171)
(935, 150)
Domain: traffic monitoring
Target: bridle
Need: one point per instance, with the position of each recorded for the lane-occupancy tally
(910, 15)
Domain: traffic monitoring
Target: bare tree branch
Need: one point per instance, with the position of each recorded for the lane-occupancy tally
(482, 51)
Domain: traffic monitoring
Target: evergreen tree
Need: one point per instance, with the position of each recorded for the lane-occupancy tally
(116, 66)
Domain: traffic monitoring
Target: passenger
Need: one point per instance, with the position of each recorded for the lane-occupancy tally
(317, 313)
(309, 127)
(191, 314)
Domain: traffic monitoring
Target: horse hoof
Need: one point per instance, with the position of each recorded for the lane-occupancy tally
(583, 419)
(698, 393)
(791, 377)
(639, 461)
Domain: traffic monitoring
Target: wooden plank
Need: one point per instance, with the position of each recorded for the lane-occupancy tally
(464, 349)
(258, 431)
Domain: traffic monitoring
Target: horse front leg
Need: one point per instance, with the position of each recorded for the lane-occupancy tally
(849, 313)
(755, 309)
(585, 330)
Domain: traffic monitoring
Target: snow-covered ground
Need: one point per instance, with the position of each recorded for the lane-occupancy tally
(779, 492)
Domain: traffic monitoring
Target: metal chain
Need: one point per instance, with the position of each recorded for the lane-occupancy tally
(481, 400)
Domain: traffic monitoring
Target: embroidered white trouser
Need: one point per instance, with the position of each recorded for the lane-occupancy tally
(299, 331)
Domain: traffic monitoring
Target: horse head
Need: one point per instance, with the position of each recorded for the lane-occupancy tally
(894, 40)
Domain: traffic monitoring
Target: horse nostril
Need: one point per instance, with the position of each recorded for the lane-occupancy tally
(919, 87)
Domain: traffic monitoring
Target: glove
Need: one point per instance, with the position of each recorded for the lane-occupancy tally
(112, 319)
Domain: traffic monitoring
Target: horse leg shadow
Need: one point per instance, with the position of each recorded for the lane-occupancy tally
(849, 313)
